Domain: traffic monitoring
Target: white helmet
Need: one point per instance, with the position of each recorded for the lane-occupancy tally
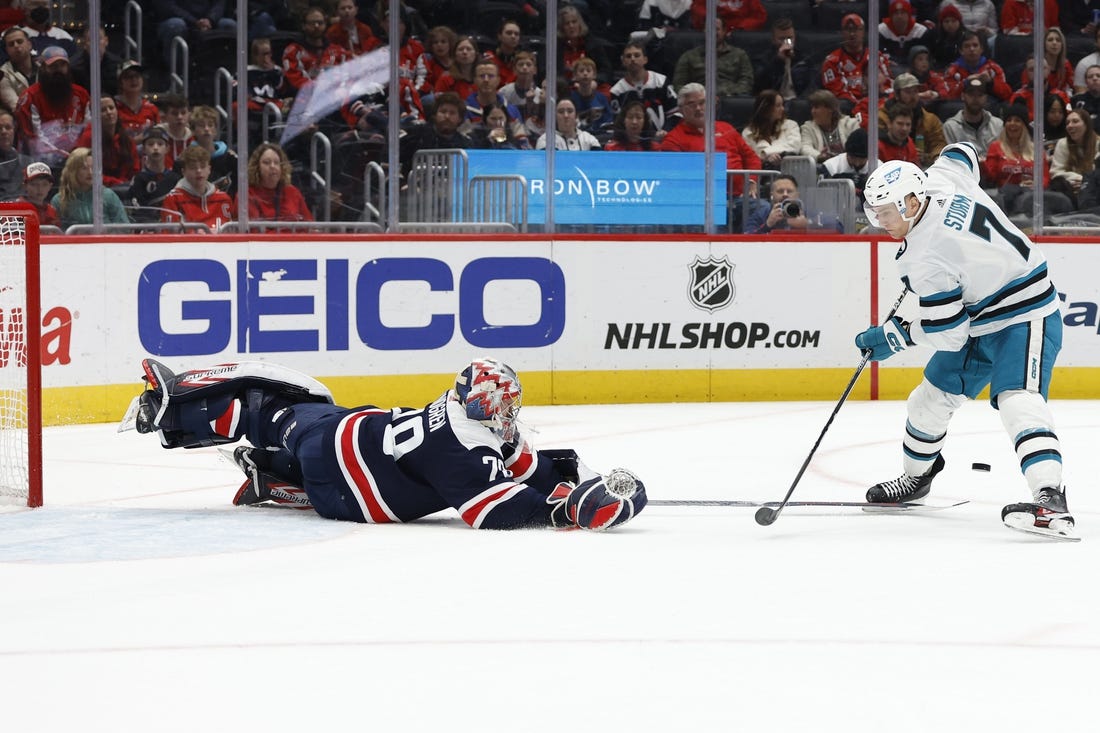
(891, 183)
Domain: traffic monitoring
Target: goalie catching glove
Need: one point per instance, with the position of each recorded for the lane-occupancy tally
(598, 503)
(886, 340)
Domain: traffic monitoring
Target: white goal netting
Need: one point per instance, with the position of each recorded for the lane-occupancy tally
(15, 462)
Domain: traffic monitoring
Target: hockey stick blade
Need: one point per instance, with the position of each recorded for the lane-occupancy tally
(869, 507)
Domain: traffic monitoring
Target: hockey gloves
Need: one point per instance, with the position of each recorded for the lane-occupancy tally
(598, 503)
(886, 340)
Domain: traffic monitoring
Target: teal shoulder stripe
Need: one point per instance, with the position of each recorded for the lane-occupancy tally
(961, 157)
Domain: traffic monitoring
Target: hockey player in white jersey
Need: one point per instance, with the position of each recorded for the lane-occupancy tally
(988, 308)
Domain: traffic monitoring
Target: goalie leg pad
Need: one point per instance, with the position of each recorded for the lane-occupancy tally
(219, 405)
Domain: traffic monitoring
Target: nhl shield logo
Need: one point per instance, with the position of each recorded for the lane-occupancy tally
(711, 285)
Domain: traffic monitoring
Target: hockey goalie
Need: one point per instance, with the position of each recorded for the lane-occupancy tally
(372, 464)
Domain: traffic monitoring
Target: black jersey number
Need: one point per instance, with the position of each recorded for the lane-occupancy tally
(984, 219)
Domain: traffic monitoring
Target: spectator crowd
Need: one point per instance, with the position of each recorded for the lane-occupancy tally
(630, 78)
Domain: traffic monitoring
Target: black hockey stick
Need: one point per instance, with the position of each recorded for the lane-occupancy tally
(766, 515)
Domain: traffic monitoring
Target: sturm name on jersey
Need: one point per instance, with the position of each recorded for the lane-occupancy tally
(731, 335)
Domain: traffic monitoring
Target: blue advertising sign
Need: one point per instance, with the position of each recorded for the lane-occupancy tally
(612, 188)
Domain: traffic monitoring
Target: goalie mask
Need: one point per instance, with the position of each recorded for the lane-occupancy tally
(491, 393)
(887, 189)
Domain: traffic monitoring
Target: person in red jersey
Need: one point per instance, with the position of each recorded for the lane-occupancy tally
(53, 111)
(304, 60)
(195, 199)
(846, 73)
(271, 195)
(349, 32)
(136, 113)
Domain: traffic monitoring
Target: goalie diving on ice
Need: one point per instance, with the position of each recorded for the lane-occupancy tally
(376, 465)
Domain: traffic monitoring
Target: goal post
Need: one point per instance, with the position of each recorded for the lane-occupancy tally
(20, 357)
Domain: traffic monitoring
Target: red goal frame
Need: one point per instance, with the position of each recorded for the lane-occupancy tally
(32, 339)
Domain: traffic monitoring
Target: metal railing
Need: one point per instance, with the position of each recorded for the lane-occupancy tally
(498, 199)
(745, 174)
(179, 66)
(132, 42)
(437, 185)
(260, 226)
(272, 120)
(374, 172)
(320, 172)
(223, 103)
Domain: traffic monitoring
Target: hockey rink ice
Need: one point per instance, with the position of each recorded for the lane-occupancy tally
(139, 599)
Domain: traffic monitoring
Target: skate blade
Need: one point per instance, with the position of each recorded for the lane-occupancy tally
(1025, 522)
(129, 420)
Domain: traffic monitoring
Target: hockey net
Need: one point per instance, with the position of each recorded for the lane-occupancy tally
(20, 359)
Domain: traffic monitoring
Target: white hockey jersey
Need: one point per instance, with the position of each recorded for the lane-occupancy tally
(973, 270)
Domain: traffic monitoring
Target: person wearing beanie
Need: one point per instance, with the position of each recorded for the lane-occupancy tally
(979, 16)
(933, 88)
(899, 31)
(156, 179)
(945, 39)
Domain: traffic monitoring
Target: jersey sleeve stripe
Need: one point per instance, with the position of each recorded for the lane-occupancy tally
(522, 463)
(477, 509)
(931, 301)
(356, 472)
(938, 325)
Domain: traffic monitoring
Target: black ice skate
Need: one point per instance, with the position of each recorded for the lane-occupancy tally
(905, 487)
(260, 486)
(1048, 515)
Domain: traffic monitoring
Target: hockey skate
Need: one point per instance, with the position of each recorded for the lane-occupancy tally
(1047, 516)
(905, 487)
(260, 486)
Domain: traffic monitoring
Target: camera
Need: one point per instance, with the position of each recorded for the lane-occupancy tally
(791, 208)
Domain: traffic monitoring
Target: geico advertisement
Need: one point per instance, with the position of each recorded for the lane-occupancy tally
(1073, 273)
(410, 307)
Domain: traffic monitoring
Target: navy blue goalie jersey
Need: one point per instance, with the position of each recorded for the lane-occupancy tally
(369, 464)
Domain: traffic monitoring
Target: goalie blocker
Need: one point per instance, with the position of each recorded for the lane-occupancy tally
(377, 465)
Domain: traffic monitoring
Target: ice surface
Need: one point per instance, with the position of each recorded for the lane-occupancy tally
(138, 599)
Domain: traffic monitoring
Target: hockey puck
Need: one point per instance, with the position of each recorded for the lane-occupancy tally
(980, 467)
